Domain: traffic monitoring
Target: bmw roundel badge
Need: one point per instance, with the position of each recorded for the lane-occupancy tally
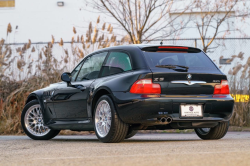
(189, 76)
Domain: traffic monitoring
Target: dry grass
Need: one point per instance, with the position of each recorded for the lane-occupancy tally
(239, 81)
(9, 29)
(14, 92)
(31, 74)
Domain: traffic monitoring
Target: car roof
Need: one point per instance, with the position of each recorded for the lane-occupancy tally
(140, 46)
(157, 45)
(138, 62)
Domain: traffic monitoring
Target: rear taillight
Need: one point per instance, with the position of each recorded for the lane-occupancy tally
(145, 86)
(222, 88)
(170, 47)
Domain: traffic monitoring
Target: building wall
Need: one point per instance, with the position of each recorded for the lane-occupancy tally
(192, 31)
(39, 19)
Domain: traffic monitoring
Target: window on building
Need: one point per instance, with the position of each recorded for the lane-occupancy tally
(225, 61)
(7, 3)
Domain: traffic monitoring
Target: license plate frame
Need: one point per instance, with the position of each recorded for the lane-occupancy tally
(191, 111)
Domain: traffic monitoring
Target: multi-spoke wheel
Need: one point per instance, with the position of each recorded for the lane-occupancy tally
(103, 118)
(108, 126)
(32, 122)
(216, 132)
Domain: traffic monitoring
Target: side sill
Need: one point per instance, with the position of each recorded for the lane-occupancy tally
(68, 124)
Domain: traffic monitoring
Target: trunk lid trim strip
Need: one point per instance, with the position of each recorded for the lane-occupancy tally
(188, 82)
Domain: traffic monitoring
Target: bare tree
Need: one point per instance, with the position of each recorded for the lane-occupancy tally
(214, 19)
(143, 19)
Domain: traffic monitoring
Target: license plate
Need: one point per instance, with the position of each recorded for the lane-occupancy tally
(191, 111)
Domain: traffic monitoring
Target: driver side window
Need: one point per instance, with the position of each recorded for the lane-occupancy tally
(91, 67)
(75, 71)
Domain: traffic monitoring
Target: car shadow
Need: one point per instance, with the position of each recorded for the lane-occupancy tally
(131, 140)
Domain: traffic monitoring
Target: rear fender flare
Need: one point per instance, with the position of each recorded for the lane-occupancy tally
(93, 99)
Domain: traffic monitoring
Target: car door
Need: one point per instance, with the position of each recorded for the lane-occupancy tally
(70, 101)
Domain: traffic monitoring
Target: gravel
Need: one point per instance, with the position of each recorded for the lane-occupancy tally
(143, 149)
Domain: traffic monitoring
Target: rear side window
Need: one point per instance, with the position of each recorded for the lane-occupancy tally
(192, 60)
(117, 62)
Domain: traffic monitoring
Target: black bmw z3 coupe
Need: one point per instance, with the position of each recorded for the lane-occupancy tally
(119, 90)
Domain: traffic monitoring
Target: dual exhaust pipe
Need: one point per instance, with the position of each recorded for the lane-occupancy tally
(166, 120)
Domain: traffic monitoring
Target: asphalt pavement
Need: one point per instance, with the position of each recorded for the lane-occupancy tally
(143, 149)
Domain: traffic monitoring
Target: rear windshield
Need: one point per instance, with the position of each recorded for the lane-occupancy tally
(195, 61)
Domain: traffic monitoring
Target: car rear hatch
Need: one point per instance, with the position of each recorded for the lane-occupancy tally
(182, 70)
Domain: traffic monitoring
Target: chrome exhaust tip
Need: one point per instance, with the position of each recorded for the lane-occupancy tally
(169, 119)
(163, 120)
(166, 120)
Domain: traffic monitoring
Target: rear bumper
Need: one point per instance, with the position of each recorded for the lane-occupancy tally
(148, 109)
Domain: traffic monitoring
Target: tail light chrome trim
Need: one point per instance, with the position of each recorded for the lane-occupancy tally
(188, 82)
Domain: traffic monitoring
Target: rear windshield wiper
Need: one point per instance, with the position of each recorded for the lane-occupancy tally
(172, 66)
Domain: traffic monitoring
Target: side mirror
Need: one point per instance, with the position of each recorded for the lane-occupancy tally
(66, 77)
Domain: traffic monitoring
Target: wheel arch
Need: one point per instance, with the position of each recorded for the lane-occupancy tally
(31, 97)
(100, 92)
(37, 95)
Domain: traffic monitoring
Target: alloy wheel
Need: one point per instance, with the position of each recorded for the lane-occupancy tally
(34, 121)
(103, 118)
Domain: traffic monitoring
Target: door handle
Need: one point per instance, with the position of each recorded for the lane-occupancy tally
(82, 88)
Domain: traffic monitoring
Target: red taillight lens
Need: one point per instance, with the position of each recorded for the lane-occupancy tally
(145, 86)
(169, 47)
(222, 88)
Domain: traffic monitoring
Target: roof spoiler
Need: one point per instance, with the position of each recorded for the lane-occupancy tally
(171, 49)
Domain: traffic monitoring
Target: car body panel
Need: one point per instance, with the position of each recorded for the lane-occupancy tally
(70, 102)
(134, 108)
(169, 82)
(67, 107)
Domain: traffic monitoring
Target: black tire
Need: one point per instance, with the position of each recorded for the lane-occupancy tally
(131, 133)
(214, 133)
(118, 129)
(51, 134)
